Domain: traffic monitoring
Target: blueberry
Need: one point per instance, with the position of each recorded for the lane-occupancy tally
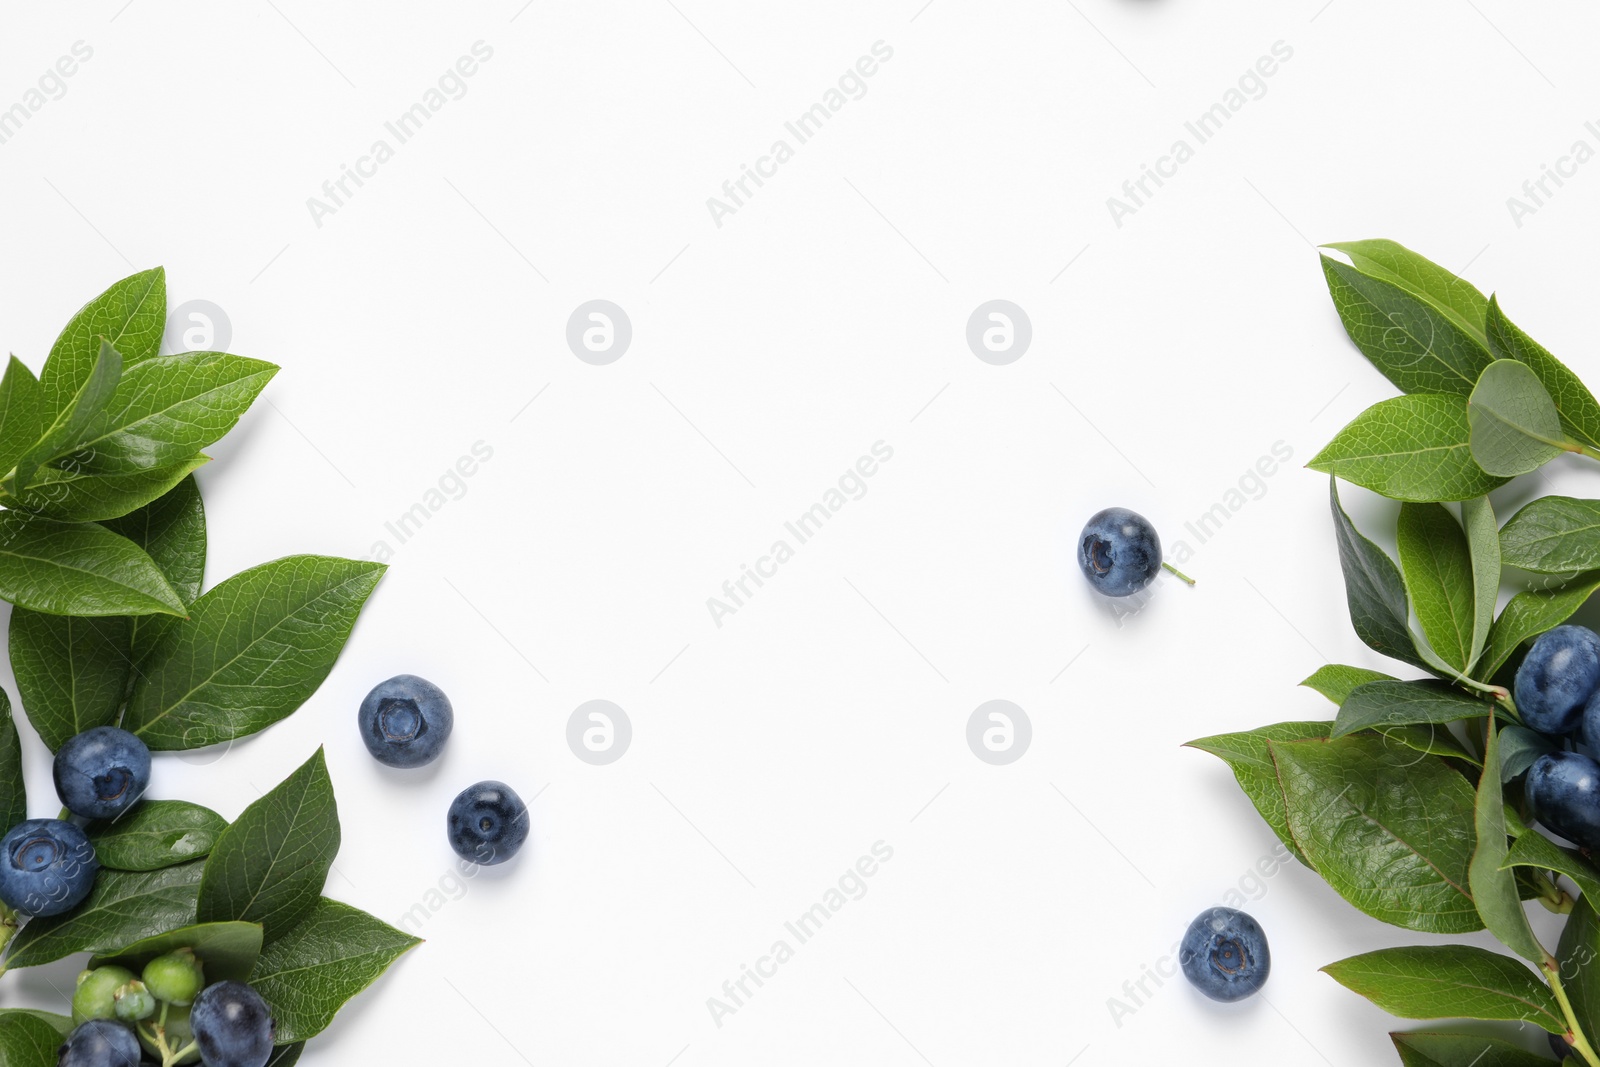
(47, 866)
(1224, 954)
(1558, 1045)
(1557, 677)
(95, 995)
(1119, 551)
(1563, 790)
(406, 721)
(232, 1025)
(176, 977)
(101, 772)
(100, 1043)
(488, 823)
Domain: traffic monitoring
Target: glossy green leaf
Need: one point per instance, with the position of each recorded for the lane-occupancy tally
(1247, 754)
(1493, 887)
(156, 834)
(123, 907)
(309, 973)
(1389, 829)
(251, 652)
(13, 792)
(131, 316)
(1579, 954)
(1580, 414)
(1515, 427)
(173, 531)
(1450, 295)
(61, 1024)
(1519, 747)
(1429, 738)
(26, 1040)
(72, 672)
(1383, 704)
(1461, 1050)
(1538, 851)
(1409, 448)
(169, 408)
(67, 431)
(1437, 566)
(1450, 982)
(270, 865)
(1374, 590)
(80, 496)
(228, 951)
(1554, 535)
(1529, 614)
(78, 569)
(1418, 344)
(21, 413)
(289, 1055)
(1335, 681)
(1483, 546)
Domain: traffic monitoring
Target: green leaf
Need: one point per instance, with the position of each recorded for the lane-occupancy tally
(308, 974)
(156, 834)
(1461, 1050)
(1452, 296)
(131, 316)
(1580, 414)
(21, 413)
(1580, 973)
(1515, 427)
(270, 865)
(1437, 565)
(1335, 680)
(173, 531)
(1390, 830)
(123, 907)
(1409, 448)
(1418, 344)
(1531, 613)
(1494, 888)
(228, 951)
(289, 1055)
(1483, 541)
(65, 568)
(1426, 737)
(70, 426)
(251, 651)
(1383, 704)
(27, 1040)
(61, 1024)
(1538, 851)
(80, 496)
(169, 408)
(1519, 747)
(1252, 765)
(1554, 535)
(72, 672)
(13, 791)
(1379, 610)
(1450, 982)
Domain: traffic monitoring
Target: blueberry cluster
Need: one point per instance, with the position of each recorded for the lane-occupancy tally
(405, 722)
(168, 1011)
(1557, 692)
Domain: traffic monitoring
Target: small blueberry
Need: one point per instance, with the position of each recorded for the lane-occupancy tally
(1224, 954)
(232, 1025)
(100, 1043)
(1120, 552)
(100, 773)
(488, 823)
(406, 721)
(1563, 791)
(1557, 677)
(47, 867)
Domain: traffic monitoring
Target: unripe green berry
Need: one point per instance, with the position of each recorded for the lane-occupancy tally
(134, 1002)
(94, 997)
(176, 978)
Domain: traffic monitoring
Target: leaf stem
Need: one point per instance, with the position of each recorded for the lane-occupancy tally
(1185, 578)
(1575, 1036)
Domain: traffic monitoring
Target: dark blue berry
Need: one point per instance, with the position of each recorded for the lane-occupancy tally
(1563, 790)
(1224, 954)
(406, 721)
(47, 867)
(488, 823)
(101, 772)
(100, 1043)
(1558, 1045)
(1557, 677)
(1119, 552)
(232, 1026)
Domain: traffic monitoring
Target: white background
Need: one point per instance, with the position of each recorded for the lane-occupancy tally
(1169, 354)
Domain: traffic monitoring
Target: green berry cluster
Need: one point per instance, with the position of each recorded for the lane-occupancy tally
(154, 1003)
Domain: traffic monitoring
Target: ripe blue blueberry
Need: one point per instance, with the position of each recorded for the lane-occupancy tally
(1563, 789)
(1557, 677)
(406, 721)
(1224, 954)
(47, 866)
(100, 1043)
(488, 823)
(232, 1025)
(1119, 552)
(101, 772)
